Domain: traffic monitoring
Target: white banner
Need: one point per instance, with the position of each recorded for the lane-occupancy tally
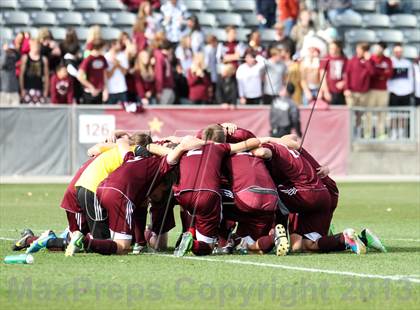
(94, 128)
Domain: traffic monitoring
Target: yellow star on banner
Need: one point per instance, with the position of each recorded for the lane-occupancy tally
(155, 125)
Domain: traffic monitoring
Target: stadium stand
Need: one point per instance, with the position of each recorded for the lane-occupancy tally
(218, 6)
(111, 6)
(67, 19)
(32, 5)
(97, 18)
(373, 21)
(82, 33)
(85, 5)
(207, 19)
(364, 5)
(58, 33)
(123, 19)
(226, 19)
(40, 19)
(390, 36)
(61, 5)
(6, 34)
(194, 6)
(8, 5)
(402, 21)
(243, 6)
(16, 18)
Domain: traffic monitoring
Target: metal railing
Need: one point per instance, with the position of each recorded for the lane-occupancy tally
(384, 125)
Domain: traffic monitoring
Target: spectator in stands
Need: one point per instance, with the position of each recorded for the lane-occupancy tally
(379, 95)
(144, 76)
(249, 76)
(282, 39)
(195, 33)
(227, 87)
(293, 74)
(254, 43)
(231, 50)
(139, 34)
(49, 48)
(117, 67)
(71, 57)
(274, 76)
(288, 14)
(284, 114)
(210, 58)
(34, 75)
(152, 20)
(390, 7)
(61, 89)
(304, 26)
(199, 82)
(335, 65)
(266, 13)
(333, 8)
(309, 69)
(9, 84)
(174, 19)
(401, 84)
(357, 77)
(134, 5)
(184, 53)
(94, 34)
(92, 75)
(163, 74)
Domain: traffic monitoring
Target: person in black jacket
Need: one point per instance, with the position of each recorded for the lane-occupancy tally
(266, 12)
(226, 86)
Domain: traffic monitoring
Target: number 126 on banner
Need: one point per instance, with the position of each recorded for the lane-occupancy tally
(94, 128)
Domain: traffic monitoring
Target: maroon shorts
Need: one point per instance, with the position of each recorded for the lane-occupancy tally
(77, 221)
(69, 202)
(120, 210)
(207, 206)
(251, 201)
(162, 216)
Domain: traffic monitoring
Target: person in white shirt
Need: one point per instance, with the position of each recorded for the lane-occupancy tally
(274, 76)
(174, 14)
(250, 77)
(401, 84)
(117, 69)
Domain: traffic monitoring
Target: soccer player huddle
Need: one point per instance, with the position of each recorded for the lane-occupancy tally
(237, 194)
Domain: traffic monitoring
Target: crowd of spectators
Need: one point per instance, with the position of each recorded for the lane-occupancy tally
(168, 59)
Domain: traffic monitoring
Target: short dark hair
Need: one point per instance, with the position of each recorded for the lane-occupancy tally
(214, 132)
(382, 44)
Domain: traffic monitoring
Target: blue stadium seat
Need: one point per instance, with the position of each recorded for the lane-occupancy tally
(416, 6)
(218, 6)
(109, 34)
(412, 35)
(360, 35)
(245, 6)
(230, 19)
(16, 18)
(410, 52)
(31, 5)
(6, 34)
(403, 21)
(8, 5)
(123, 19)
(268, 35)
(58, 33)
(97, 18)
(1, 21)
(207, 19)
(31, 30)
(242, 34)
(219, 33)
(59, 5)
(250, 20)
(70, 19)
(390, 35)
(348, 20)
(376, 21)
(40, 19)
(194, 5)
(85, 5)
(82, 33)
(111, 6)
(364, 5)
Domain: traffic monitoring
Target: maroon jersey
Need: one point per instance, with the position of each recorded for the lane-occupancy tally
(291, 170)
(200, 168)
(69, 202)
(94, 67)
(239, 135)
(136, 177)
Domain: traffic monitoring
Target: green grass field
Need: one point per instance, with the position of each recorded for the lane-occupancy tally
(157, 281)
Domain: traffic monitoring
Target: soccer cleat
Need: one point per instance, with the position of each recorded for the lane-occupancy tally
(22, 243)
(331, 230)
(371, 240)
(185, 245)
(242, 247)
(75, 244)
(65, 233)
(281, 242)
(137, 249)
(41, 242)
(353, 242)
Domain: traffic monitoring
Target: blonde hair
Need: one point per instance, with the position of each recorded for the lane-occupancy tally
(139, 25)
(94, 33)
(43, 34)
(142, 10)
(146, 70)
(198, 63)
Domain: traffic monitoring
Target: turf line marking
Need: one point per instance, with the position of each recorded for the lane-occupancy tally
(402, 239)
(403, 278)
(7, 239)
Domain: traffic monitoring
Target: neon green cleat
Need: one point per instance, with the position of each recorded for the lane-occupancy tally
(75, 244)
(281, 242)
(138, 249)
(353, 242)
(41, 242)
(331, 230)
(185, 245)
(371, 240)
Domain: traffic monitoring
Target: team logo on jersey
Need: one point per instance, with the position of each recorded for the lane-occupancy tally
(97, 64)
(137, 158)
(194, 152)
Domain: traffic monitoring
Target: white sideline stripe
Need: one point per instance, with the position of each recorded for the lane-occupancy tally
(405, 278)
(7, 239)
(410, 240)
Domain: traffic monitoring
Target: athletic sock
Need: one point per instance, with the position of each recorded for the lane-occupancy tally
(266, 243)
(104, 247)
(57, 244)
(333, 243)
(201, 248)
